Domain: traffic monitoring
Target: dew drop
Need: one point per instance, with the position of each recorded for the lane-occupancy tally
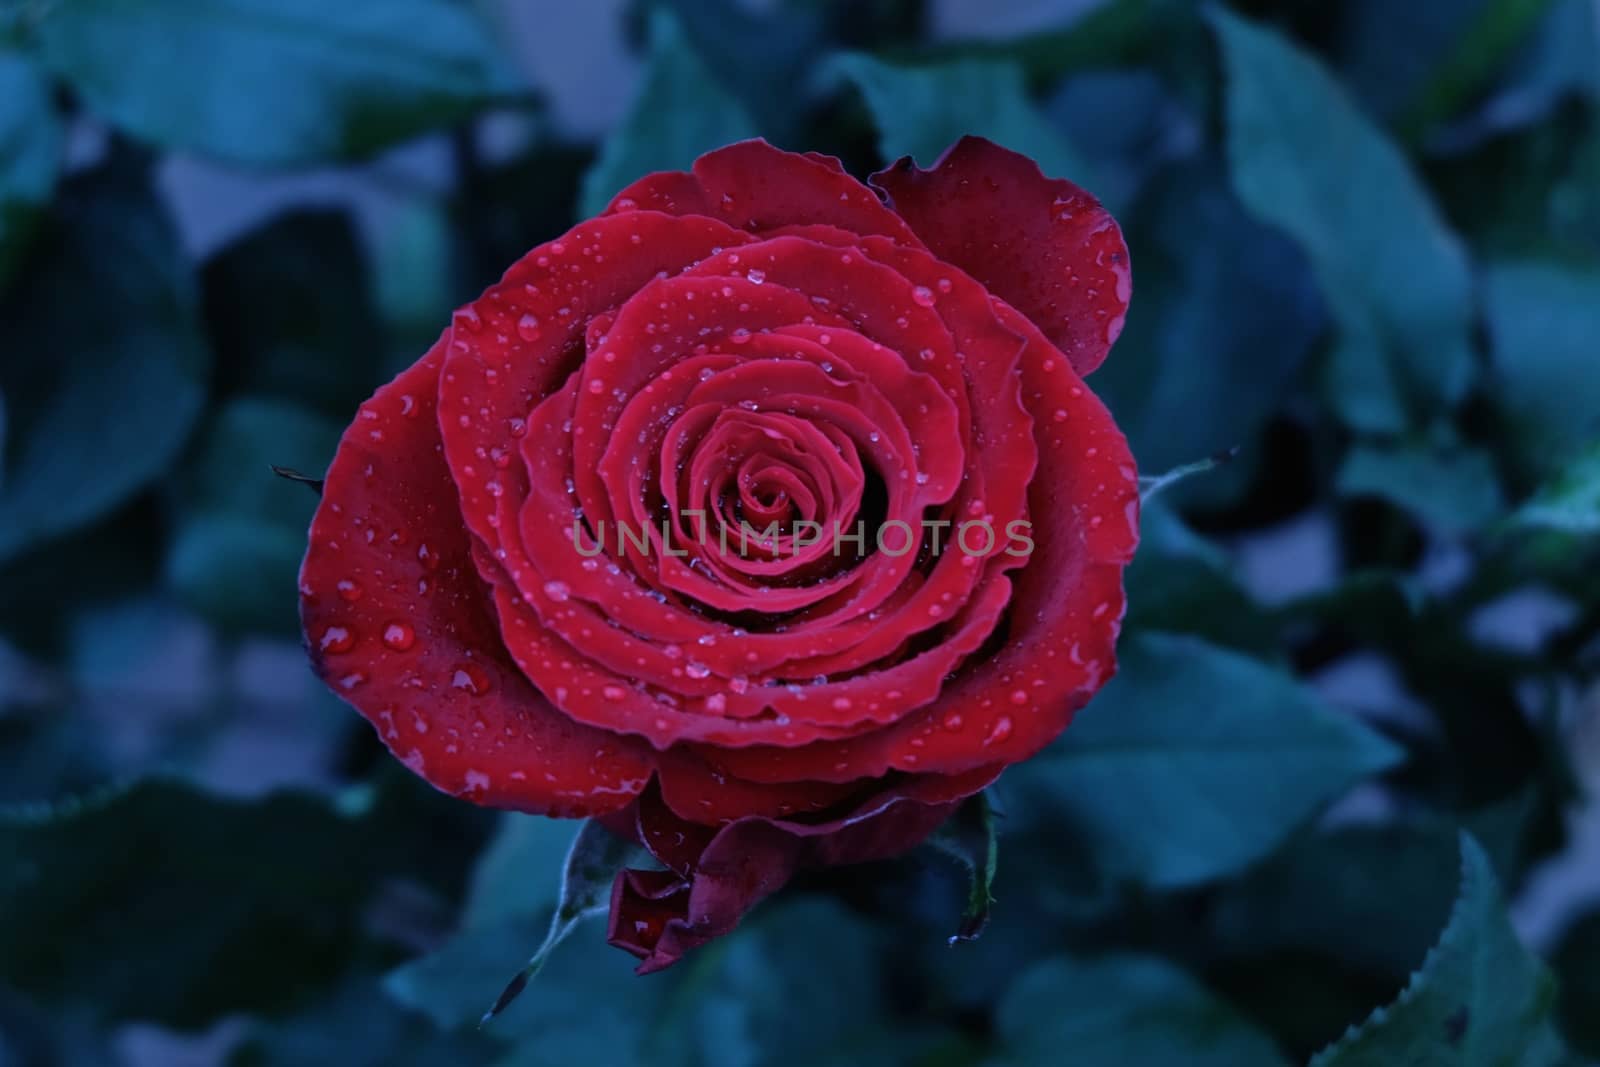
(399, 636)
(337, 639)
(696, 669)
(472, 678)
(349, 589)
(557, 591)
(999, 731)
(528, 328)
(923, 296)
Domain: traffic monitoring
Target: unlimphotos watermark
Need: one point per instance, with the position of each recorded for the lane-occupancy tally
(976, 538)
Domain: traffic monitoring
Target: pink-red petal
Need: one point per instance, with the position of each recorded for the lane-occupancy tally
(1043, 245)
(398, 625)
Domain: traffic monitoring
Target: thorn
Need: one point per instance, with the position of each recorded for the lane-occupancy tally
(289, 473)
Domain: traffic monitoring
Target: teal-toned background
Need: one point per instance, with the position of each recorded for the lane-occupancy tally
(1359, 713)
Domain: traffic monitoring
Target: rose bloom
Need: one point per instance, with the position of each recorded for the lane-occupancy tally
(763, 339)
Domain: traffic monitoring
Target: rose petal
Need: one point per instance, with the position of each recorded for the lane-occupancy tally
(398, 625)
(1043, 245)
(754, 186)
(661, 915)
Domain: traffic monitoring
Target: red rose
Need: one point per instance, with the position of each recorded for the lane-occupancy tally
(527, 568)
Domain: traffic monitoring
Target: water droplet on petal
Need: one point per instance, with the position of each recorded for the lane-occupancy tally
(999, 731)
(399, 636)
(337, 639)
(528, 328)
(471, 677)
(923, 296)
(350, 589)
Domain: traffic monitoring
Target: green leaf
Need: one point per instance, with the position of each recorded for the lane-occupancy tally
(1124, 1009)
(1543, 321)
(242, 530)
(969, 838)
(356, 1025)
(921, 111)
(738, 1006)
(589, 1007)
(1226, 315)
(1306, 160)
(1182, 583)
(49, 587)
(679, 113)
(248, 905)
(519, 874)
(591, 867)
(277, 82)
(1569, 504)
(30, 154)
(1454, 490)
(1163, 775)
(765, 56)
(1474, 58)
(1479, 998)
(1104, 35)
(104, 366)
(290, 305)
(1577, 961)
(1371, 896)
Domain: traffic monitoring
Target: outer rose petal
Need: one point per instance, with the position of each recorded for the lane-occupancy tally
(714, 878)
(1043, 245)
(757, 187)
(398, 623)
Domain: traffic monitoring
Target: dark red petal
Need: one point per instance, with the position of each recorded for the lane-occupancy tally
(398, 625)
(1043, 245)
(661, 915)
(757, 187)
(643, 903)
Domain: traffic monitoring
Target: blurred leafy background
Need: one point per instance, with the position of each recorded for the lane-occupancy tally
(1358, 718)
